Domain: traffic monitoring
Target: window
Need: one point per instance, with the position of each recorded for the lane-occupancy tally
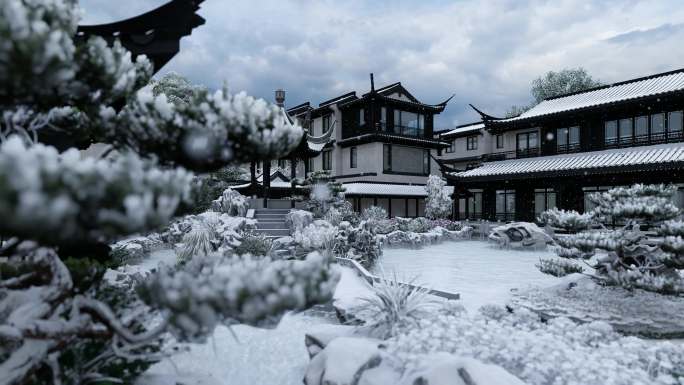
(473, 205)
(326, 123)
(408, 123)
(527, 144)
(567, 139)
(310, 164)
(471, 143)
(327, 160)
(657, 126)
(544, 199)
(674, 124)
(499, 141)
(611, 132)
(405, 160)
(281, 163)
(362, 117)
(641, 128)
(505, 205)
(626, 130)
(352, 157)
(383, 117)
(387, 157)
(452, 146)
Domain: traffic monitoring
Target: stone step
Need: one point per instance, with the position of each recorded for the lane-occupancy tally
(272, 217)
(274, 232)
(271, 225)
(271, 211)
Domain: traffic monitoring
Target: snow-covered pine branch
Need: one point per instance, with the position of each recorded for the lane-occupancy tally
(438, 202)
(61, 199)
(241, 290)
(570, 220)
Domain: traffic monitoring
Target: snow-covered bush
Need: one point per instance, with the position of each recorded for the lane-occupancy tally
(254, 244)
(394, 306)
(570, 221)
(231, 202)
(419, 225)
(558, 267)
(374, 213)
(447, 224)
(438, 202)
(540, 353)
(384, 226)
(631, 259)
(200, 241)
(298, 219)
(319, 235)
(358, 242)
(324, 193)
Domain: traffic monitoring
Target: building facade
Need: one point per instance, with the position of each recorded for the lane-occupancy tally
(380, 146)
(567, 147)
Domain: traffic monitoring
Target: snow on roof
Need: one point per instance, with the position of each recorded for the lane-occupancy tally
(360, 188)
(656, 154)
(462, 129)
(632, 89)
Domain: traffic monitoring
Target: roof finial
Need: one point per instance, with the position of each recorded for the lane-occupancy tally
(372, 83)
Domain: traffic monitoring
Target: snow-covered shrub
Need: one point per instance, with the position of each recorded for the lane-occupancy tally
(334, 216)
(419, 225)
(254, 244)
(324, 193)
(231, 202)
(384, 226)
(540, 353)
(571, 221)
(200, 241)
(558, 267)
(394, 306)
(447, 224)
(319, 235)
(374, 213)
(632, 259)
(438, 202)
(362, 243)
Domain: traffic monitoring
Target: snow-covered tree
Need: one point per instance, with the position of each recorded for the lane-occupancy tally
(60, 211)
(438, 202)
(629, 256)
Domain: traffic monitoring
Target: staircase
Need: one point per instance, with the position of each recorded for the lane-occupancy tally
(271, 222)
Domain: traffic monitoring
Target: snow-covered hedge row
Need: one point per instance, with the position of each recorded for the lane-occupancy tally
(435, 235)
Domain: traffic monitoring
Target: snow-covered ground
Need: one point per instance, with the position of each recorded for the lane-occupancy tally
(480, 271)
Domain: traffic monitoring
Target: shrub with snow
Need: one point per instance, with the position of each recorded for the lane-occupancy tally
(231, 202)
(438, 202)
(419, 225)
(570, 221)
(374, 213)
(254, 244)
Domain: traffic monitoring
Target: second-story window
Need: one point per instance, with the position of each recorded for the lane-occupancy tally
(499, 141)
(567, 139)
(674, 124)
(611, 133)
(452, 146)
(471, 143)
(327, 160)
(362, 117)
(625, 130)
(352, 157)
(408, 123)
(641, 128)
(527, 144)
(326, 123)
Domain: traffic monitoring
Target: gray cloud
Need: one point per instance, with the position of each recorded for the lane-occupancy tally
(487, 53)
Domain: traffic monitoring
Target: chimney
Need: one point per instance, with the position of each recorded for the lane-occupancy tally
(280, 97)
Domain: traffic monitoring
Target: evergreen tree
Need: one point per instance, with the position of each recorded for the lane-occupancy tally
(643, 251)
(438, 202)
(60, 211)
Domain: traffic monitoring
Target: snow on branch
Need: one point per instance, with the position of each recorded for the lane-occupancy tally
(244, 290)
(60, 198)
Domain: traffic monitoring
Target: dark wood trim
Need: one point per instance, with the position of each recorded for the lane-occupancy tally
(356, 175)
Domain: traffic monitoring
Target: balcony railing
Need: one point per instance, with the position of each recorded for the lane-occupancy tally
(403, 130)
(643, 140)
(567, 148)
(527, 152)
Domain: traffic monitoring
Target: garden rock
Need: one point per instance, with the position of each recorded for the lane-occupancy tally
(298, 219)
(231, 202)
(343, 362)
(520, 234)
(448, 369)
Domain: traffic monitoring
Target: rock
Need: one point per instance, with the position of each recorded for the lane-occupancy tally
(316, 341)
(343, 362)
(447, 369)
(232, 203)
(298, 219)
(134, 249)
(520, 234)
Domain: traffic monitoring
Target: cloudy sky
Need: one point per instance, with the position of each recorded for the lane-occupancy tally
(485, 52)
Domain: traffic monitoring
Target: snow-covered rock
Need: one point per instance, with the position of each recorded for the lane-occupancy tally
(298, 219)
(231, 202)
(635, 312)
(134, 249)
(520, 234)
(448, 369)
(343, 362)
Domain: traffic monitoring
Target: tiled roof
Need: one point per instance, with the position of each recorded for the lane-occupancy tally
(632, 89)
(460, 130)
(360, 188)
(660, 155)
